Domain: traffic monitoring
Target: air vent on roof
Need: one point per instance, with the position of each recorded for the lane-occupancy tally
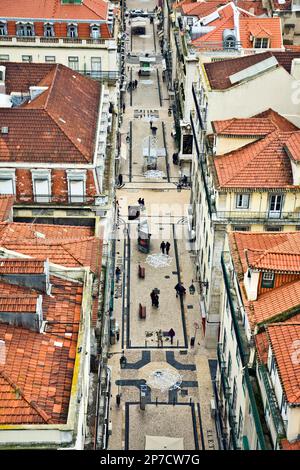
(4, 130)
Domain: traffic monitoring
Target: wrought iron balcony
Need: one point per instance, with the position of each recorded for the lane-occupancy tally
(49, 41)
(264, 216)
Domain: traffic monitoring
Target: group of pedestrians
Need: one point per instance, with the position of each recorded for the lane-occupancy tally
(132, 85)
(165, 247)
(141, 202)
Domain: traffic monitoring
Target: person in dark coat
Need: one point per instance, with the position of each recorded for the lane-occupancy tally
(118, 273)
(123, 107)
(153, 295)
(156, 300)
(180, 289)
(162, 247)
(168, 248)
(135, 83)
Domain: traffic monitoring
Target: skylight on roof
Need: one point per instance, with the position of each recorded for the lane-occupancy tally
(39, 235)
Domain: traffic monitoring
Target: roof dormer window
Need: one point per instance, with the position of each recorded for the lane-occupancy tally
(95, 31)
(49, 30)
(261, 43)
(267, 279)
(25, 29)
(72, 30)
(3, 28)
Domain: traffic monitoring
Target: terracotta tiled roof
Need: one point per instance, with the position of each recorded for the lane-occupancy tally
(286, 445)
(67, 246)
(259, 125)
(284, 338)
(261, 28)
(21, 266)
(201, 9)
(36, 378)
(262, 346)
(252, 6)
(61, 123)
(218, 73)
(26, 303)
(292, 146)
(284, 242)
(271, 304)
(262, 164)
(54, 9)
(280, 262)
(6, 205)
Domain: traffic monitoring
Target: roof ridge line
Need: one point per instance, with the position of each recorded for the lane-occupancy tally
(31, 403)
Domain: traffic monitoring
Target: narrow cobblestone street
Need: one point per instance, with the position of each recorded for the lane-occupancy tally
(181, 407)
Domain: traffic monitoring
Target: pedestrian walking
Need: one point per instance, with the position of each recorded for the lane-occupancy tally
(118, 335)
(118, 273)
(156, 300)
(171, 333)
(163, 247)
(120, 178)
(180, 289)
(135, 83)
(143, 202)
(151, 124)
(123, 107)
(168, 245)
(152, 295)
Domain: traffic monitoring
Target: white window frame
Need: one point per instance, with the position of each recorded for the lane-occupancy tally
(258, 43)
(79, 175)
(8, 175)
(242, 201)
(25, 29)
(25, 60)
(41, 175)
(52, 59)
(72, 31)
(49, 28)
(73, 60)
(3, 28)
(95, 28)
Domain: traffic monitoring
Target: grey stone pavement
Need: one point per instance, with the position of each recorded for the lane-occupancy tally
(179, 387)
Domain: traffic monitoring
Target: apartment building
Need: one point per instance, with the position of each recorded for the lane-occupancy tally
(245, 177)
(54, 125)
(258, 366)
(47, 311)
(79, 34)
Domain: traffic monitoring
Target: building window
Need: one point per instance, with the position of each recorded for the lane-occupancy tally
(267, 279)
(25, 29)
(261, 43)
(224, 342)
(72, 31)
(229, 367)
(95, 32)
(273, 228)
(234, 396)
(208, 256)
(238, 356)
(96, 66)
(242, 201)
(76, 186)
(50, 59)
(7, 182)
(73, 63)
(41, 184)
(49, 30)
(27, 58)
(275, 205)
(187, 144)
(4, 58)
(241, 228)
(3, 29)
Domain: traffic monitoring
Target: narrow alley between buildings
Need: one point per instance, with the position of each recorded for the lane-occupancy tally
(161, 380)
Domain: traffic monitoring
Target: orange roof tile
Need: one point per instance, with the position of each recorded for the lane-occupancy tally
(292, 146)
(6, 205)
(261, 242)
(259, 125)
(25, 303)
(61, 123)
(261, 164)
(285, 444)
(21, 266)
(63, 245)
(261, 27)
(201, 9)
(278, 262)
(262, 346)
(54, 9)
(36, 378)
(284, 339)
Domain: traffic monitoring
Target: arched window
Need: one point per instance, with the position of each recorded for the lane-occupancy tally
(95, 31)
(48, 30)
(3, 29)
(72, 31)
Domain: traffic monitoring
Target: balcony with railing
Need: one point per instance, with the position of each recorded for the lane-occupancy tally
(41, 41)
(255, 216)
